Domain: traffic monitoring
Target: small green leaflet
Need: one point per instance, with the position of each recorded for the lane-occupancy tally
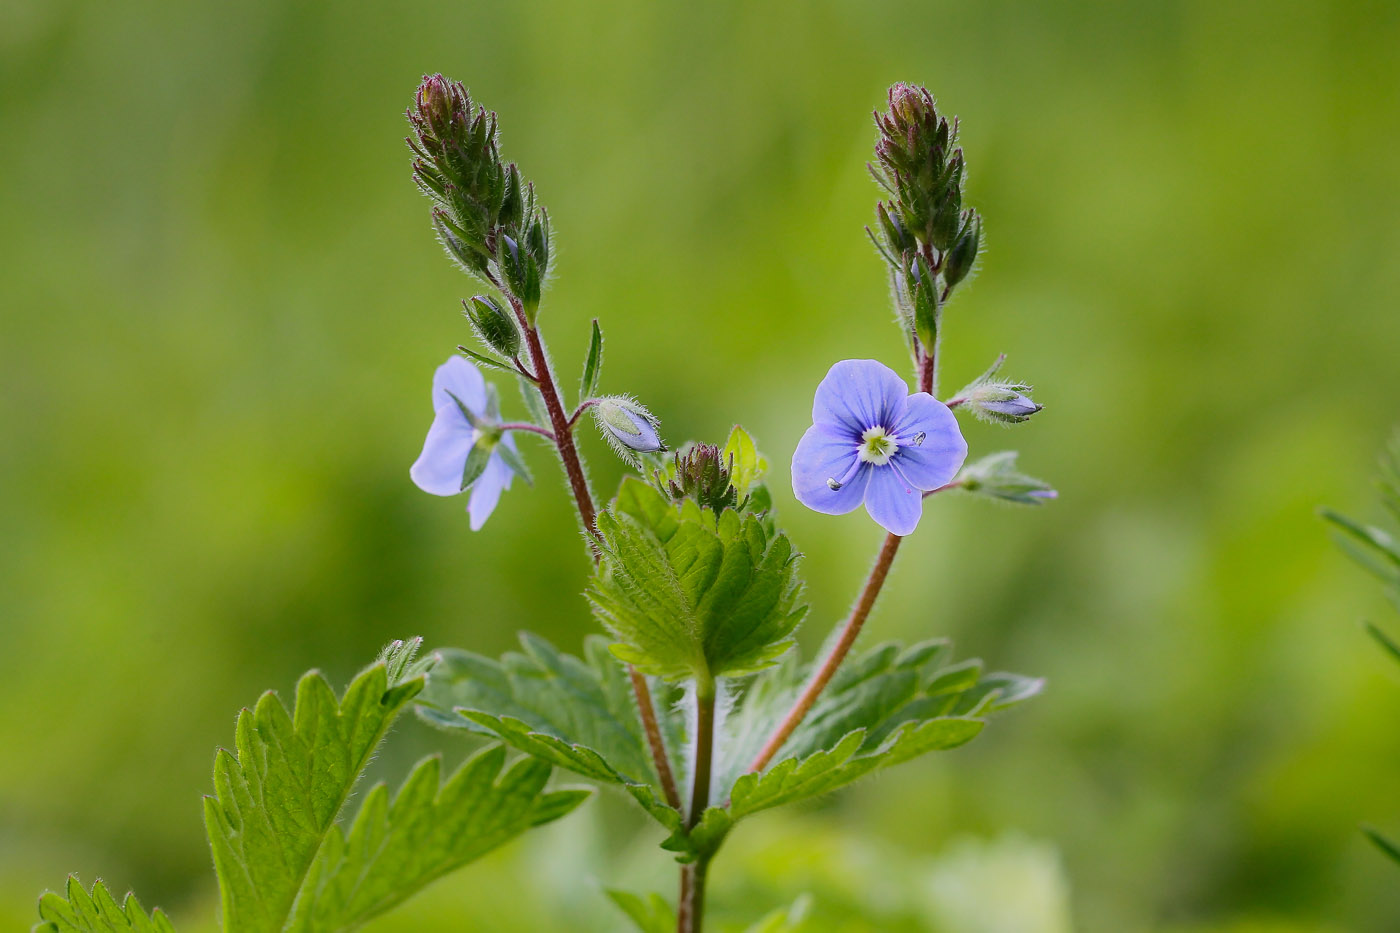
(429, 829)
(687, 593)
(593, 366)
(98, 912)
(748, 465)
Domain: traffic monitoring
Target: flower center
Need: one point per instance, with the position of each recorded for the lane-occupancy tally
(877, 446)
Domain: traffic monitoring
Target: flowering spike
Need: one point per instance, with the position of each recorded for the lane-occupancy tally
(485, 214)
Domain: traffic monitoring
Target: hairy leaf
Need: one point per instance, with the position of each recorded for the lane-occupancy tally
(77, 911)
(876, 693)
(688, 593)
(275, 801)
(578, 714)
(394, 848)
(796, 779)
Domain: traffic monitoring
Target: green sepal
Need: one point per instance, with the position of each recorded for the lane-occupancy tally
(477, 458)
(478, 423)
(592, 366)
(516, 463)
(485, 360)
(924, 286)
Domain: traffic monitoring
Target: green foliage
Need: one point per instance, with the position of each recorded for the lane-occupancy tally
(77, 911)
(275, 802)
(689, 593)
(884, 707)
(282, 863)
(395, 848)
(578, 714)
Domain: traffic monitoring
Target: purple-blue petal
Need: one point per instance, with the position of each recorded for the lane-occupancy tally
(487, 489)
(860, 394)
(827, 453)
(644, 439)
(439, 467)
(937, 460)
(459, 377)
(894, 504)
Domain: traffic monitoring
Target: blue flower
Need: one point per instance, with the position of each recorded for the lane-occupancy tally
(463, 419)
(872, 442)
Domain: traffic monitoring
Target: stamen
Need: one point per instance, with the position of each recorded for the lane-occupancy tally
(909, 487)
(918, 440)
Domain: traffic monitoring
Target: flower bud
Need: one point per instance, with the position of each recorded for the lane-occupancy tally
(995, 475)
(1004, 402)
(493, 324)
(964, 252)
(628, 427)
(897, 236)
(705, 475)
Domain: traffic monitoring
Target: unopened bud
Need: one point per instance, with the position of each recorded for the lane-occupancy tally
(964, 252)
(627, 426)
(996, 476)
(704, 474)
(1003, 402)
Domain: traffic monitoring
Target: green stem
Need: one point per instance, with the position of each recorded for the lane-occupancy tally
(859, 613)
(690, 911)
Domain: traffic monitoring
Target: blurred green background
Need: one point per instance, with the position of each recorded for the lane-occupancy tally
(222, 306)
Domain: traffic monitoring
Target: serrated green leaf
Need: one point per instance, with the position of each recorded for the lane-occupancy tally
(276, 800)
(687, 593)
(393, 849)
(592, 366)
(78, 911)
(792, 779)
(578, 714)
(874, 693)
(652, 915)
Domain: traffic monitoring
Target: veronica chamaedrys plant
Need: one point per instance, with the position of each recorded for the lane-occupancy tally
(695, 703)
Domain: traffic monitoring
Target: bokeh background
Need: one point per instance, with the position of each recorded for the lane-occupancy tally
(221, 305)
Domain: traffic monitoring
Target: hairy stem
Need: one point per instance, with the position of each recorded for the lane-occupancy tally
(859, 613)
(691, 908)
(654, 740)
(691, 913)
(563, 431)
(583, 498)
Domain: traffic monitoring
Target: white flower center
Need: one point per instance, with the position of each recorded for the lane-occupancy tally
(877, 446)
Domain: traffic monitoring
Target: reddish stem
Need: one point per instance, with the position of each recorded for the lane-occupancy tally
(854, 623)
